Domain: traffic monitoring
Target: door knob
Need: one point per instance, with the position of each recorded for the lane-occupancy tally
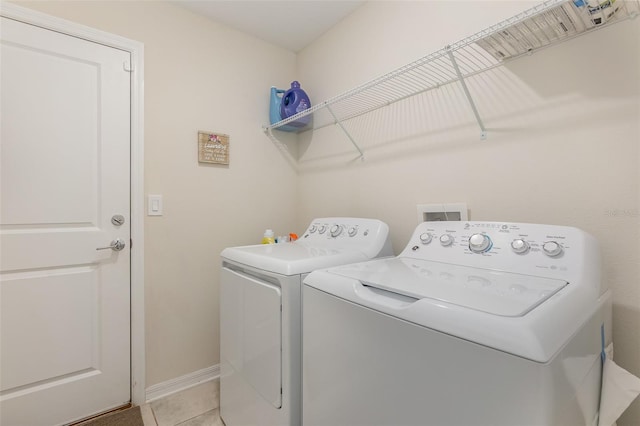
(116, 245)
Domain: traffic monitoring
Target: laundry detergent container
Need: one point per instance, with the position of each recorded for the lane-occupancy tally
(287, 103)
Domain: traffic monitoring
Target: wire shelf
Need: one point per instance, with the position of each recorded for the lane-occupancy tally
(544, 25)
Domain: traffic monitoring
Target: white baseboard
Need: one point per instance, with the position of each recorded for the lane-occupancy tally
(183, 382)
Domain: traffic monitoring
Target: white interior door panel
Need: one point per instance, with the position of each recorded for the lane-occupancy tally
(65, 171)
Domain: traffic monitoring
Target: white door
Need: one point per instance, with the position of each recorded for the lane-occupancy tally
(65, 148)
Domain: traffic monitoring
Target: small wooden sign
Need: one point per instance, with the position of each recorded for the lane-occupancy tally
(213, 148)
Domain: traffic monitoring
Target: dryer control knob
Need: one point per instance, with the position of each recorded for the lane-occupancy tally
(336, 230)
(520, 246)
(322, 228)
(353, 231)
(425, 238)
(446, 240)
(313, 229)
(480, 243)
(552, 249)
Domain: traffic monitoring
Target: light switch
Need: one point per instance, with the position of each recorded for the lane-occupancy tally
(154, 205)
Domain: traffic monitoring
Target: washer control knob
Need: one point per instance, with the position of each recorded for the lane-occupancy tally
(425, 238)
(313, 229)
(446, 240)
(520, 246)
(552, 249)
(353, 231)
(322, 228)
(336, 230)
(480, 243)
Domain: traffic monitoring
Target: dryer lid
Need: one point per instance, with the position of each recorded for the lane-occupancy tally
(495, 292)
(291, 258)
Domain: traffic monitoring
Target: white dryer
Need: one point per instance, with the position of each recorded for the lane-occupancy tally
(474, 323)
(260, 378)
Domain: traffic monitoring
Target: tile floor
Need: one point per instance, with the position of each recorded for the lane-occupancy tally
(196, 406)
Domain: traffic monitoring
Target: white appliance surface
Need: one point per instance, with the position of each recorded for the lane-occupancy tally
(469, 317)
(326, 242)
(291, 258)
(260, 315)
(485, 290)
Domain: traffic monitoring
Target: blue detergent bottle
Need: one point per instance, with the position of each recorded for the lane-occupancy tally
(295, 100)
(274, 110)
(274, 104)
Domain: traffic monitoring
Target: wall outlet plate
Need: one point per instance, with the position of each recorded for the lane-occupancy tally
(442, 212)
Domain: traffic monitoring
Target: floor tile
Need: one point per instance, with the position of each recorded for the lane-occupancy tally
(210, 418)
(187, 404)
(147, 415)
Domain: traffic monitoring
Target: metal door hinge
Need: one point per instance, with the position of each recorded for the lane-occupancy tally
(127, 66)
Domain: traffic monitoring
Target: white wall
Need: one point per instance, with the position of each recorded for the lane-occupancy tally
(198, 76)
(562, 147)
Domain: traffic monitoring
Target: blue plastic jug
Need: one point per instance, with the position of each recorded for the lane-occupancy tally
(295, 100)
(274, 110)
(274, 104)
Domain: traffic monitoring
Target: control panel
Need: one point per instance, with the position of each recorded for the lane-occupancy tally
(340, 228)
(517, 247)
(347, 232)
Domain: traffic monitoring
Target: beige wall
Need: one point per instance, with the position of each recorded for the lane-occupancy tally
(198, 76)
(562, 147)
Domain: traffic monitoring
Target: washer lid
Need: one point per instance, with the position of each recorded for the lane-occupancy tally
(494, 292)
(291, 258)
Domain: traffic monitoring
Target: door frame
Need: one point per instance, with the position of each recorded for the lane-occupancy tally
(136, 49)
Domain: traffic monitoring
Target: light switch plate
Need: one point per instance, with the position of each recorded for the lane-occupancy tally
(154, 205)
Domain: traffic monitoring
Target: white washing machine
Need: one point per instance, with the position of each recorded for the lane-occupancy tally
(474, 323)
(260, 378)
